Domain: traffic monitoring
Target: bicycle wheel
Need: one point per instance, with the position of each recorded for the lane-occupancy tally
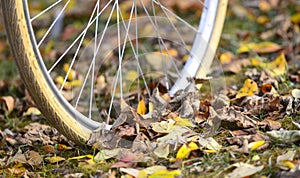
(114, 45)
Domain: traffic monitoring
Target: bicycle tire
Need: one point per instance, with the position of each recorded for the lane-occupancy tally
(33, 74)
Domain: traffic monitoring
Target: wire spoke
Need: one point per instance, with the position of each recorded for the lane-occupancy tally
(78, 38)
(44, 11)
(95, 52)
(53, 23)
(176, 16)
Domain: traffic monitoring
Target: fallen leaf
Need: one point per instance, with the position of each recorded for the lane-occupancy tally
(72, 73)
(249, 89)
(296, 93)
(162, 150)
(81, 157)
(183, 152)
(263, 47)
(263, 19)
(295, 18)
(151, 170)
(54, 159)
(61, 147)
(32, 111)
(105, 154)
(183, 122)
(141, 109)
(7, 104)
(284, 161)
(264, 6)
(193, 146)
(163, 126)
(49, 149)
(131, 171)
(210, 143)
(244, 170)
(165, 174)
(254, 145)
(226, 57)
(33, 158)
(276, 67)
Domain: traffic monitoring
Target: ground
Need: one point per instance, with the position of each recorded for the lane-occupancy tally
(245, 124)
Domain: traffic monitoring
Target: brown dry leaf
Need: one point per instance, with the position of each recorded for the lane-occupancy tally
(236, 66)
(49, 149)
(269, 124)
(244, 140)
(233, 119)
(33, 158)
(7, 104)
(61, 147)
(257, 105)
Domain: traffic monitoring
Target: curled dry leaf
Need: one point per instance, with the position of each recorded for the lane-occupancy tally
(234, 119)
(7, 104)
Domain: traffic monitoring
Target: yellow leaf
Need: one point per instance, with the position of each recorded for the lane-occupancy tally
(165, 174)
(193, 146)
(264, 6)
(183, 152)
(74, 83)
(296, 18)
(59, 80)
(32, 111)
(81, 157)
(72, 73)
(289, 164)
(263, 47)
(131, 75)
(170, 52)
(55, 159)
(254, 145)
(262, 19)
(210, 151)
(278, 66)
(249, 89)
(183, 122)
(141, 109)
(226, 57)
